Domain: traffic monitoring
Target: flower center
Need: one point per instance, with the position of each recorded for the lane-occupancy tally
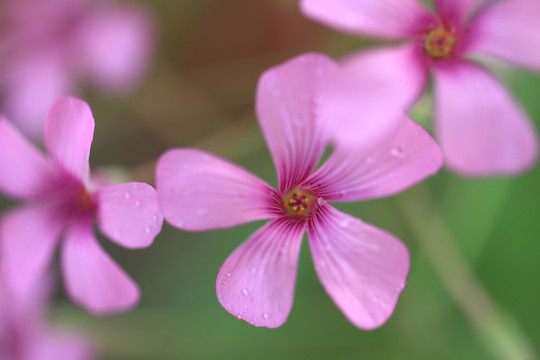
(299, 203)
(84, 201)
(440, 42)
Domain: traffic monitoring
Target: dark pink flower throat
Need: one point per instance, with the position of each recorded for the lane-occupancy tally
(83, 201)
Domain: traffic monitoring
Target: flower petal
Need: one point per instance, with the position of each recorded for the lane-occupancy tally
(115, 44)
(455, 11)
(69, 131)
(370, 94)
(24, 171)
(29, 236)
(510, 31)
(362, 268)
(92, 278)
(32, 83)
(256, 283)
(129, 214)
(287, 102)
(400, 160)
(380, 18)
(55, 345)
(481, 129)
(199, 191)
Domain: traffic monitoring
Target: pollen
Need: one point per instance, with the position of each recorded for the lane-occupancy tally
(298, 203)
(440, 42)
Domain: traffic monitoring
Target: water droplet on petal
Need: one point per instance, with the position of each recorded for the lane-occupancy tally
(397, 151)
(344, 222)
(245, 292)
(228, 274)
(147, 230)
(154, 218)
(252, 322)
(137, 203)
(265, 315)
(127, 196)
(253, 270)
(321, 201)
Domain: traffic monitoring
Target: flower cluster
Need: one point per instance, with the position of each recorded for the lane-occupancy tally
(305, 106)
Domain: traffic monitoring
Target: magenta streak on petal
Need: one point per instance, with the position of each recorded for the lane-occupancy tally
(398, 161)
(256, 283)
(362, 268)
(199, 191)
(287, 104)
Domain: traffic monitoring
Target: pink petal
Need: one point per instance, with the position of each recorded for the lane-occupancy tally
(129, 214)
(198, 191)
(54, 345)
(405, 157)
(287, 103)
(394, 19)
(24, 171)
(370, 94)
(29, 236)
(115, 44)
(362, 268)
(92, 278)
(455, 11)
(69, 131)
(510, 30)
(256, 283)
(481, 129)
(33, 82)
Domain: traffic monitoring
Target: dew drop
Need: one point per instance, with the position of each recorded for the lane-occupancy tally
(245, 292)
(154, 218)
(147, 230)
(137, 203)
(265, 315)
(344, 222)
(253, 270)
(239, 316)
(397, 151)
(252, 322)
(135, 186)
(228, 274)
(127, 196)
(321, 201)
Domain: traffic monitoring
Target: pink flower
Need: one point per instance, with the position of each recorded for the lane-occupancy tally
(361, 267)
(60, 200)
(480, 127)
(48, 48)
(24, 335)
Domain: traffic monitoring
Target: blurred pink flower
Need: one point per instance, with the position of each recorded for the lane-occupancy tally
(24, 335)
(481, 129)
(48, 48)
(361, 267)
(62, 201)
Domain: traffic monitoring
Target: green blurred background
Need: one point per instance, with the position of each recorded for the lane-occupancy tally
(200, 93)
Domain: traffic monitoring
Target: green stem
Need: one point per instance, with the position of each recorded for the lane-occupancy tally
(500, 333)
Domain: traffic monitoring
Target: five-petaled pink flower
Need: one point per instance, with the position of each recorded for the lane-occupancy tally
(361, 267)
(49, 48)
(481, 129)
(61, 200)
